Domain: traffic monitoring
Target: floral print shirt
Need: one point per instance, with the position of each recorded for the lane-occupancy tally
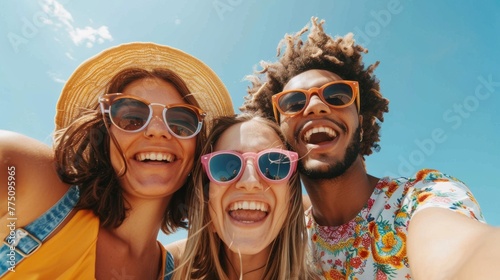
(373, 244)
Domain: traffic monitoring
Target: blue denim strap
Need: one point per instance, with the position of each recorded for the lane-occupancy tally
(169, 266)
(22, 242)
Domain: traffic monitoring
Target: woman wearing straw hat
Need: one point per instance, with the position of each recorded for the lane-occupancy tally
(129, 126)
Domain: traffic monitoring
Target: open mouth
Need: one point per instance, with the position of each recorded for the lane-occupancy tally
(248, 211)
(319, 134)
(155, 157)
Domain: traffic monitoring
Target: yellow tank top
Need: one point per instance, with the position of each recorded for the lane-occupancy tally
(70, 254)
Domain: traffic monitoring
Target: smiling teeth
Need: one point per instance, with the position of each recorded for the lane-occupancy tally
(249, 205)
(330, 132)
(155, 157)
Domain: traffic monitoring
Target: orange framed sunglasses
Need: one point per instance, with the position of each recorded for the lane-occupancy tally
(337, 94)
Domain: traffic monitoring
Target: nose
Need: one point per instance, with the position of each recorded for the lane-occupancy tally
(157, 127)
(316, 106)
(249, 180)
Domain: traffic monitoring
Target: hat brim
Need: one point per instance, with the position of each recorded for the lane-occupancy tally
(91, 78)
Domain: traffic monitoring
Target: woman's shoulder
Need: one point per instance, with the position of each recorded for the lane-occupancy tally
(176, 248)
(19, 149)
(28, 167)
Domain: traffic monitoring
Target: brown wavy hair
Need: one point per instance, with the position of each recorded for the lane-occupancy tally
(339, 55)
(204, 252)
(82, 152)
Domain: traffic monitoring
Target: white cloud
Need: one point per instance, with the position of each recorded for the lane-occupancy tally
(90, 35)
(61, 18)
(55, 78)
(68, 55)
(55, 10)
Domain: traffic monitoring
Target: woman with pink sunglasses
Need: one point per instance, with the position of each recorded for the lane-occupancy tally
(247, 219)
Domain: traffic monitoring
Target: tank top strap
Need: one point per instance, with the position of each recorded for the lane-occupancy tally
(22, 242)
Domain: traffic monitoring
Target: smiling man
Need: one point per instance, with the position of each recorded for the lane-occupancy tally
(329, 108)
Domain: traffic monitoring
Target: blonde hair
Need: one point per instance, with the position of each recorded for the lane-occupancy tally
(288, 252)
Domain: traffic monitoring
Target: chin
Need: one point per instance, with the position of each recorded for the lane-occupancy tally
(156, 190)
(245, 249)
(322, 170)
(318, 169)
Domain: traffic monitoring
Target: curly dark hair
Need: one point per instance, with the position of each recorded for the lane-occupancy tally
(82, 152)
(339, 55)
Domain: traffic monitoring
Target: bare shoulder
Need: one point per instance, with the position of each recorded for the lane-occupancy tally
(440, 240)
(29, 167)
(176, 249)
(33, 160)
(20, 149)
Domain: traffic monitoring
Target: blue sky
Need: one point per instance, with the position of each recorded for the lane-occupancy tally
(439, 66)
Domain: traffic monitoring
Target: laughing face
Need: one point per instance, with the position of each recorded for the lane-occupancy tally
(326, 139)
(249, 213)
(157, 162)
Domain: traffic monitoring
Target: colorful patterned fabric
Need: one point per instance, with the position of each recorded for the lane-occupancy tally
(373, 244)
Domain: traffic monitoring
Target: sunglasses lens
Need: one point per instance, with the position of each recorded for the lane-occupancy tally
(224, 167)
(129, 114)
(182, 121)
(338, 94)
(274, 165)
(292, 102)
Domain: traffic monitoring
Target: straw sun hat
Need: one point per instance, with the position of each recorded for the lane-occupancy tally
(90, 79)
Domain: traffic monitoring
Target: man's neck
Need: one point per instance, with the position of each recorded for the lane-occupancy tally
(337, 201)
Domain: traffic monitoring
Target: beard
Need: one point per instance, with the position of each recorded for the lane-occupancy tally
(336, 169)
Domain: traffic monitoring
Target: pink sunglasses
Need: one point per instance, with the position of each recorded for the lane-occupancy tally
(226, 167)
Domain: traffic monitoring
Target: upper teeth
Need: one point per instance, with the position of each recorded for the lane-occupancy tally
(327, 130)
(249, 205)
(155, 156)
